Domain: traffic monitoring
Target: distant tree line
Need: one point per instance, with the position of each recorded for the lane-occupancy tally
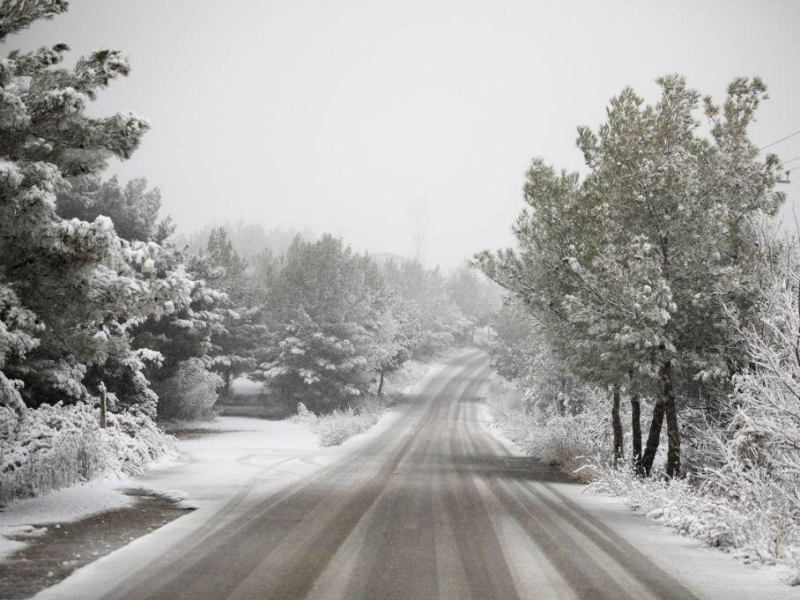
(96, 295)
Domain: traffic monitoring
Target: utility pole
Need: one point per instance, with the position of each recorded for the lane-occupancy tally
(419, 239)
(419, 212)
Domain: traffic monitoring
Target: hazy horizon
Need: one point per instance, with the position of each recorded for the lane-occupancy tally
(364, 119)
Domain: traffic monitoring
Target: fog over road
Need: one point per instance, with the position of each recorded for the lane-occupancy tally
(434, 508)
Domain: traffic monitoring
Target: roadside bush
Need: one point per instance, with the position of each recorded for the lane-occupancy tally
(569, 441)
(334, 428)
(55, 446)
(189, 394)
(754, 523)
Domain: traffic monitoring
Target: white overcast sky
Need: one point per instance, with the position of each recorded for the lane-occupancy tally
(357, 117)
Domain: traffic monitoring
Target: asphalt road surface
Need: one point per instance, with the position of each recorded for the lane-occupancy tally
(433, 508)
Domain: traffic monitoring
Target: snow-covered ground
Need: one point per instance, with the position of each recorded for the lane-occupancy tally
(220, 472)
(237, 455)
(707, 572)
(232, 457)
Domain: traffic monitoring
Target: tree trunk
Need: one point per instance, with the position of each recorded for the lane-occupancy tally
(653, 437)
(616, 425)
(380, 385)
(228, 391)
(673, 434)
(636, 433)
(103, 405)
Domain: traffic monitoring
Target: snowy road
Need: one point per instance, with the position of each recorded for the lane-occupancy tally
(433, 507)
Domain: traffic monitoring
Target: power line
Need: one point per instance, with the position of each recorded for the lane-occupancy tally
(791, 160)
(780, 140)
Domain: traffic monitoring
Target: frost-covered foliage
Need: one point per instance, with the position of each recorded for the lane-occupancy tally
(324, 303)
(477, 297)
(132, 208)
(746, 496)
(337, 426)
(243, 330)
(70, 289)
(568, 440)
(429, 318)
(631, 272)
(337, 323)
(190, 393)
(56, 446)
(754, 522)
(742, 489)
(83, 270)
(761, 441)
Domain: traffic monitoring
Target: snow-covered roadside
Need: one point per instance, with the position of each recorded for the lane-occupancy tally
(203, 471)
(222, 474)
(224, 459)
(709, 573)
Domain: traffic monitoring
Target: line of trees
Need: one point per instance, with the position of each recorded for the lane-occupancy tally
(95, 294)
(638, 277)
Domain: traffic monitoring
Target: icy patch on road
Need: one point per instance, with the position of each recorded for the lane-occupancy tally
(60, 506)
(7, 546)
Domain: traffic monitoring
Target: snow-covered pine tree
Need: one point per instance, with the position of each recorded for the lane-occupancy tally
(323, 310)
(133, 208)
(476, 297)
(74, 285)
(431, 320)
(243, 331)
(632, 269)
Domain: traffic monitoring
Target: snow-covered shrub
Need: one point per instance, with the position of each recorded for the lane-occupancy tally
(189, 394)
(335, 427)
(432, 342)
(755, 524)
(55, 446)
(568, 441)
(745, 493)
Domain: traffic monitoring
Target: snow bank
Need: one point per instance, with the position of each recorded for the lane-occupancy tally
(564, 441)
(58, 446)
(706, 572)
(338, 426)
(766, 536)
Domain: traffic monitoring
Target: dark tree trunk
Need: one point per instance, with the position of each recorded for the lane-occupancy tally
(616, 425)
(673, 434)
(380, 385)
(636, 433)
(228, 391)
(653, 437)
